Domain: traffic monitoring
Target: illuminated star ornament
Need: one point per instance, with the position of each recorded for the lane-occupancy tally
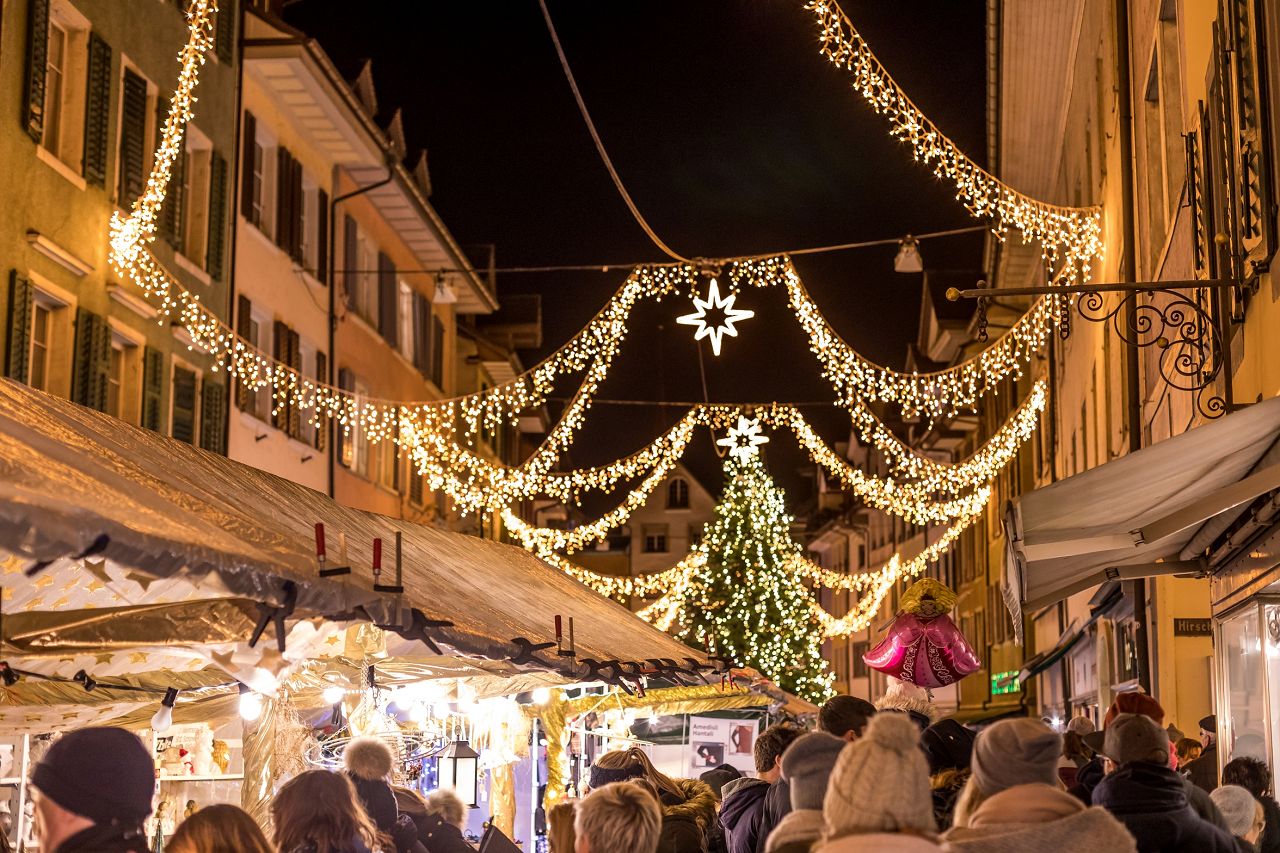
(714, 302)
(744, 440)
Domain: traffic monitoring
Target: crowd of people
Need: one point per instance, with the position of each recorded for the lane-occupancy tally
(866, 781)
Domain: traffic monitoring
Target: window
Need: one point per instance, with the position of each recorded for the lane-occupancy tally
(1161, 139)
(655, 538)
(184, 406)
(388, 463)
(678, 494)
(41, 343)
(54, 82)
(695, 535)
(192, 229)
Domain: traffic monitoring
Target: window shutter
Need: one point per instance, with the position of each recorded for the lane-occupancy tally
(92, 360)
(184, 404)
(17, 362)
(249, 131)
(296, 200)
(322, 236)
(153, 369)
(415, 483)
(97, 111)
(346, 451)
(421, 334)
(224, 33)
(37, 67)
(437, 352)
(216, 245)
(213, 417)
(350, 258)
(1250, 148)
(244, 320)
(133, 139)
(280, 350)
(283, 172)
(174, 201)
(387, 299)
(295, 361)
(322, 422)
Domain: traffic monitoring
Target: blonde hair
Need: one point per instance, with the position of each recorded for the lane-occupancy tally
(637, 760)
(219, 829)
(618, 817)
(967, 803)
(322, 808)
(560, 828)
(448, 805)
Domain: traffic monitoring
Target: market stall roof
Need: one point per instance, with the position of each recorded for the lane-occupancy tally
(134, 524)
(1133, 516)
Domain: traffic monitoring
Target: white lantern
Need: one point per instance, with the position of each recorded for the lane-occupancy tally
(460, 770)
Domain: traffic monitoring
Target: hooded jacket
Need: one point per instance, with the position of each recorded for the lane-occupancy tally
(1149, 799)
(796, 833)
(741, 813)
(685, 820)
(1204, 770)
(1038, 817)
(777, 805)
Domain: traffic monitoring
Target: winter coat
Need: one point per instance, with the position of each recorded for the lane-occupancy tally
(1269, 842)
(1243, 846)
(1204, 770)
(441, 837)
(777, 805)
(796, 833)
(1151, 802)
(1087, 778)
(1203, 805)
(741, 812)
(1038, 817)
(685, 819)
(106, 839)
(879, 842)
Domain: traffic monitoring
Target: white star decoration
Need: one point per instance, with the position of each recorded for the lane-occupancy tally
(715, 302)
(744, 440)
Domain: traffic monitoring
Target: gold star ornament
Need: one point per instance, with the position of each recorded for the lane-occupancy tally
(744, 440)
(715, 329)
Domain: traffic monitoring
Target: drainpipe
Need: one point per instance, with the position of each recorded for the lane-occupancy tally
(1133, 398)
(333, 305)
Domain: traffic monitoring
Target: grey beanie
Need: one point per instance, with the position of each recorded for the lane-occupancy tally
(1014, 752)
(1135, 737)
(1238, 807)
(807, 765)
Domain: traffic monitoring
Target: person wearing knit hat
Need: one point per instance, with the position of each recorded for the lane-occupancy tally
(948, 747)
(807, 767)
(877, 799)
(1245, 815)
(1203, 772)
(1149, 797)
(1013, 801)
(93, 791)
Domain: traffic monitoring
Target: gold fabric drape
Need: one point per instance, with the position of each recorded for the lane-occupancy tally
(259, 753)
(502, 798)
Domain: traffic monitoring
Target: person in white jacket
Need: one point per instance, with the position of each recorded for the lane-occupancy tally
(878, 799)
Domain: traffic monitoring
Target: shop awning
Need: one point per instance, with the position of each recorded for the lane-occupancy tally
(1132, 516)
(1073, 635)
(161, 558)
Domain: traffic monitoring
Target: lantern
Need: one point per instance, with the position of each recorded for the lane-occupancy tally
(460, 770)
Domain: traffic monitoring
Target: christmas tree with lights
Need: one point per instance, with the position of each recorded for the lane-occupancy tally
(745, 603)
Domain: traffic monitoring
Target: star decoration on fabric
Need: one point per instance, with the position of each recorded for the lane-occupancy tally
(98, 568)
(718, 329)
(744, 440)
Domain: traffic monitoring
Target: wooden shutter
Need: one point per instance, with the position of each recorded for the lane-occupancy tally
(283, 197)
(224, 32)
(249, 137)
(437, 352)
(350, 258)
(244, 322)
(295, 361)
(421, 334)
(97, 111)
(37, 67)
(184, 404)
(171, 214)
(216, 245)
(92, 360)
(153, 370)
(133, 139)
(1251, 151)
(322, 422)
(213, 417)
(322, 236)
(387, 299)
(280, 351)
(297, 198)
(415, 483)
(346, 453)
(17, 361)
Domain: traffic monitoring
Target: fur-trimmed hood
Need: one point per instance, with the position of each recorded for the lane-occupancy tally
(368, 758)
(699, 802)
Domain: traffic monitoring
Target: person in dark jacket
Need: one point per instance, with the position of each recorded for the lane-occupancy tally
(716, 778)
(948, 746)
(742, 812)
(1255, 777)
(1146, 794)
(443, 823)
(807, 767)
(367, 762)
(93, 792)
(1203, 772)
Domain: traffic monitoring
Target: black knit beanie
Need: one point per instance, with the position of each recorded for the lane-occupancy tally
(104, 774)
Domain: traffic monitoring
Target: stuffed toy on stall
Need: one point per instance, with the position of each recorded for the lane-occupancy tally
(923, 646)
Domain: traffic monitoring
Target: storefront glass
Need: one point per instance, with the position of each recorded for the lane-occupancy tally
(1244, 726)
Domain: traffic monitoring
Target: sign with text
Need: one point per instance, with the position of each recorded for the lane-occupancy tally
(714, 741)
(1193, 627)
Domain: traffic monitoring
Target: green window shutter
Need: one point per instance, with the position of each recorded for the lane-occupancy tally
(213, 417)
(415, 484)
(322, 236)
(295, 361)
(37, 67)
(346, 450)
(280, 351)
(17, 361)
(322, 423)
(1251, 148)
(133, 139)
(216, 246)
(284, 198)
(244, 320)
(171, 213)
(153, 370)
(249, 141)
(387, 299)
(184, 404)
(437, 352)
(224, 33)
(97, 111)
(92, 360)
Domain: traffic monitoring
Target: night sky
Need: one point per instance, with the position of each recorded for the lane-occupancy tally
(733, 135)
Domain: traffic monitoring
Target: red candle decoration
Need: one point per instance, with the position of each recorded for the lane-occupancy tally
(559, 633)
(377, 555)
(320, 540)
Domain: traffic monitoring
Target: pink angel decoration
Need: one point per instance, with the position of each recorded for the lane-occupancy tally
(923, 646)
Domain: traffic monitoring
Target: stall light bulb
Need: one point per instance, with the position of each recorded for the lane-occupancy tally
(541, 695)
(333, 694)
(250, 706)
(441, 711)
(418, 712)
(163, 718)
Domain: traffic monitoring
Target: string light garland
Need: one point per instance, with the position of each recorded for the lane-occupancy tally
(1070, 237)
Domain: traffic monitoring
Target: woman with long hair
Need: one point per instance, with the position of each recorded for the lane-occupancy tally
(318, 812)
(688, 805)
(219, 829)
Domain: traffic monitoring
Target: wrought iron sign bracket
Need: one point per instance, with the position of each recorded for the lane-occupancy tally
(1182, 325)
